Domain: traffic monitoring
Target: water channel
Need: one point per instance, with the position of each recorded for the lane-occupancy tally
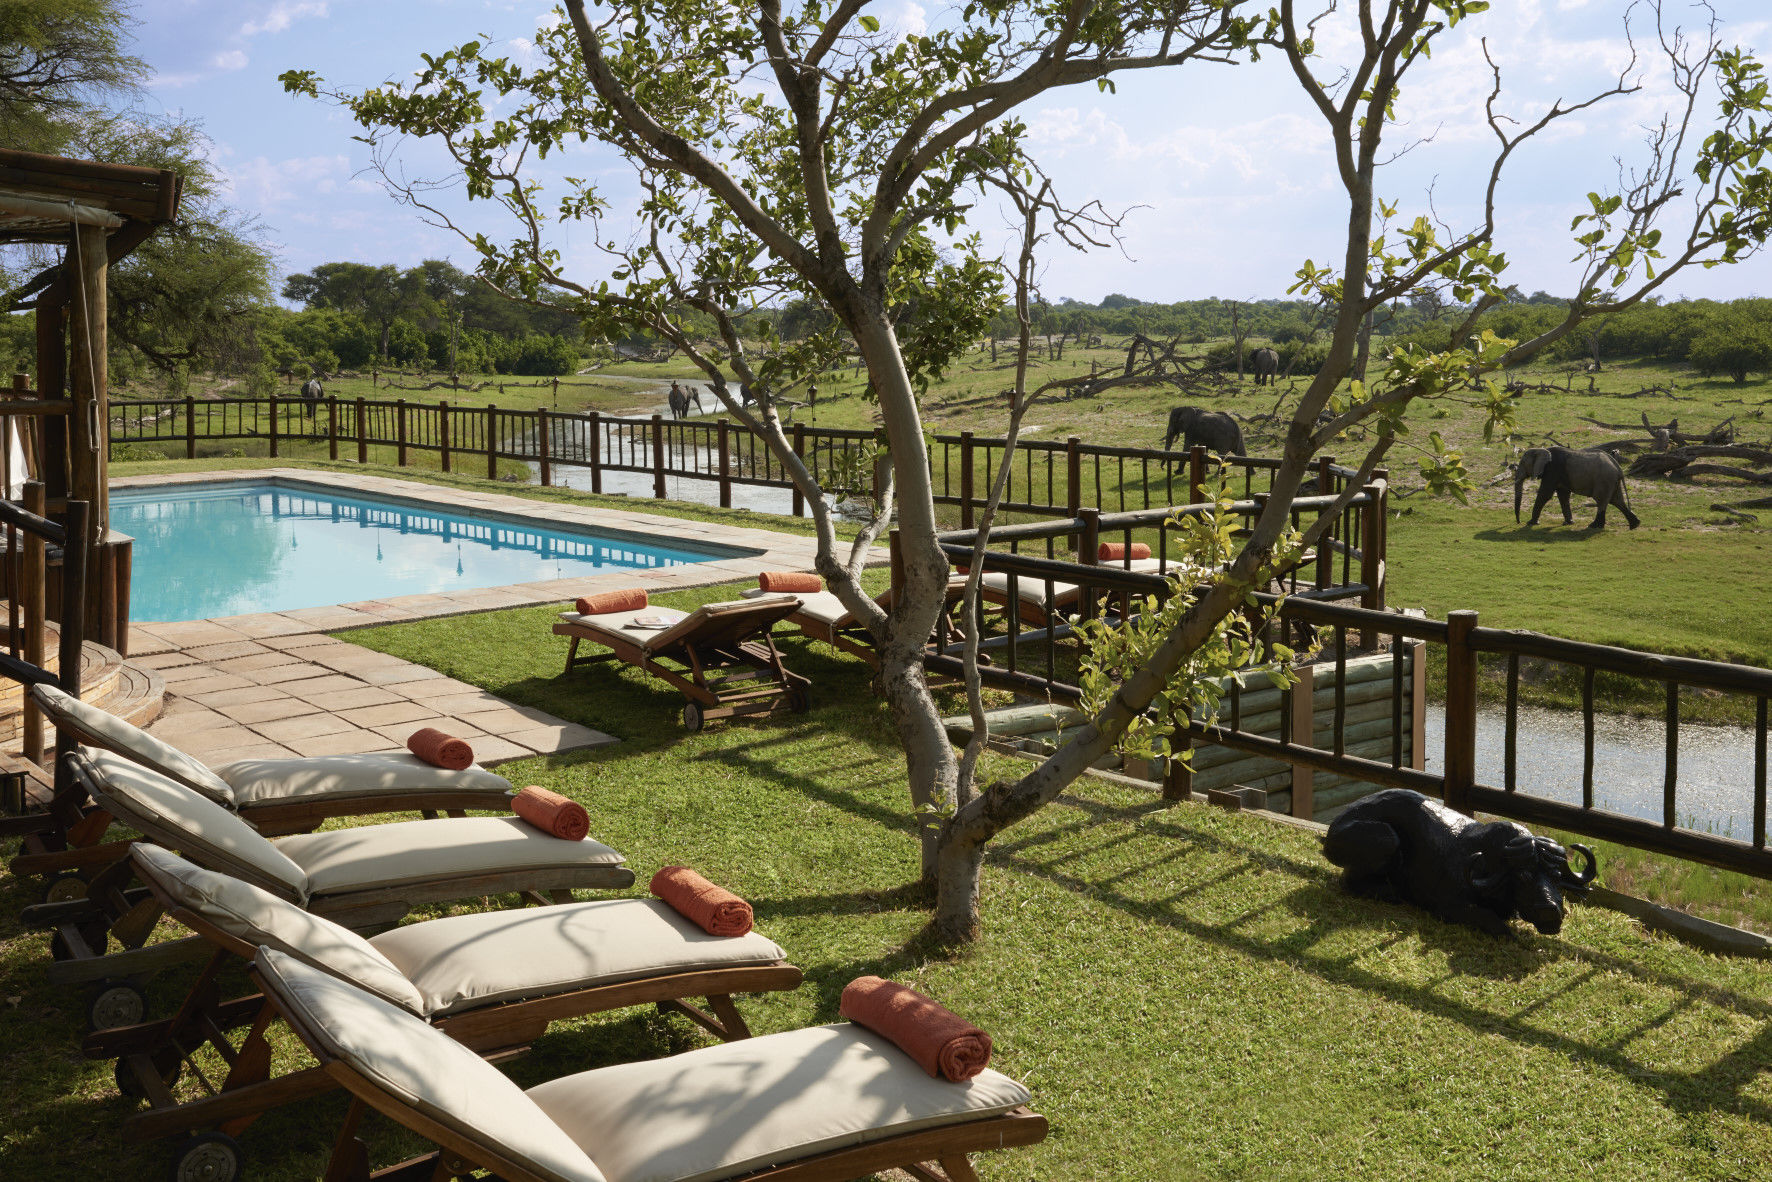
(1715, 790)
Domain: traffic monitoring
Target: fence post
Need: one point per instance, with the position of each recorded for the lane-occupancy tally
(596, 451)
(191, 428)
(1417, 704)
(1196, 474)
(362, 431)
(443, 434)
(966, 480)
(400, 433)
(658, 457)
(1073, 475)
(1460, 758)
(725, 469)
(1302, 732)
(1088, 543)
(274, 426)
(1326, 544)
(332, 426)
(492, 442)
(800, 451)
(543, 443)
(1372, 555)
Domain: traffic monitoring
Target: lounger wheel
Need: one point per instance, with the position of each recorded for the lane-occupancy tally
(799, 700)
(64, 888)
(117, 1003)
(692, 719)
(207, 1157)
(167, 1062)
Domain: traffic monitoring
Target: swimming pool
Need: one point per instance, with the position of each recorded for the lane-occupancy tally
(222, 549)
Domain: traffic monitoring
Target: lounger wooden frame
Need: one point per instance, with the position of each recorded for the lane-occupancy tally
(151, 1055)
(737, 638)
(59, 837)
(849, 636)
(933, 1155)
(114, 909)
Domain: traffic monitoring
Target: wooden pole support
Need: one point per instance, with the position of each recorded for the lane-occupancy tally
(1302, 726)
(275, 424)
(1325, 546)
(1460, 758)
(400, 432)
(596, 430)
(492, 442)
(362, 431)
(1073, 475)
(1418, 704)
(966, 518)
(34, 597)
(191, 428)
(658, 457)
(725, 466)
(543, 444)
(443, 435)
(799, 450)
(1371, 554)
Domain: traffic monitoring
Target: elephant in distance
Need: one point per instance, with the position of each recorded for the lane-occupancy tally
(1267, 365)
(1214, 429)
(681, 397)
(1563, 470)
(311, 394)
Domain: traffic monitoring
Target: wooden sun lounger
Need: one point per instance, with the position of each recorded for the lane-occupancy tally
(815, 1105)
(277, 796)
(721, 655)
(151, 1056)
(364, 878)
(822, 616)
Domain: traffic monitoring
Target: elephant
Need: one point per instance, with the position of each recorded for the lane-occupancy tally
(1400, 844)
(679, 401)
(1564, 470)
(311, 394)
(1213, 428)
(1267, 364)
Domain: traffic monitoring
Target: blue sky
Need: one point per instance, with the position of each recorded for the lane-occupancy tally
(1225, 171)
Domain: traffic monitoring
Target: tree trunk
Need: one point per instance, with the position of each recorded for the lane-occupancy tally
(930, 763)
(960, 863)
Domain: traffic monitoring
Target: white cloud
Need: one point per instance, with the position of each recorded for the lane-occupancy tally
(282, 15)
(229, 59)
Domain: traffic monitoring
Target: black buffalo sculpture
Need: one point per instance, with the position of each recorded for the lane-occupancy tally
(1403, 845)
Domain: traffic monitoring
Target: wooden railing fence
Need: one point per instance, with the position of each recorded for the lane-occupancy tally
(1047, 477)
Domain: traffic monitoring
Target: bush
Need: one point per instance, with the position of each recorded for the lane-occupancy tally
(1735, 346)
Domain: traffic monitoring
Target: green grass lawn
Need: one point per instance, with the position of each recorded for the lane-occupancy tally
(1186, 992)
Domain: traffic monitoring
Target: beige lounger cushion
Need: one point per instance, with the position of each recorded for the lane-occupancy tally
(824, 608)
(1029, 588)
(259, 917)
(465, 961)
(181, 819)
(110, 732)
(732, 1108)
(340, 861)
(425, 1068)
(656, 640)
(344, 777)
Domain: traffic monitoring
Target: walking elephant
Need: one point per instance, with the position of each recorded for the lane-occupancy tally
(1214, 429)
(311, 394)
(1563, 470)
(1267, 365)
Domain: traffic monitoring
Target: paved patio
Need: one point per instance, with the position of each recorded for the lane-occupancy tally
(273, 684)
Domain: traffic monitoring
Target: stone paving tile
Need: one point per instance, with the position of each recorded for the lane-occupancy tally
(306, 726)
(206, 682)
(431, 689)
(387, 714)
(190, 721)
(398, 733)
(357, 699)
(269, 710)
(266, 624)
(489, 751)
(351, 742)
(166, 660)
(566, 736)
(262, 659)
(224, 652)
(216, 745)
(400, 677)
(321, 690)
(239, 695)
(461, 705)
(278, 674)
(260, 750)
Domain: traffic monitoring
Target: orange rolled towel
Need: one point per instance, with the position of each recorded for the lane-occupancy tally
(942, 1042)
(439, 749)
(630, 599)
(713, 909)
(1116, 551)
(552, 813)
(789, 580)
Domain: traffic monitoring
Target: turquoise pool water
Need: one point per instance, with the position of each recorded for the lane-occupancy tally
(225, 549)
